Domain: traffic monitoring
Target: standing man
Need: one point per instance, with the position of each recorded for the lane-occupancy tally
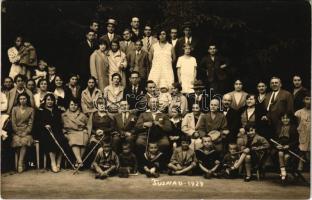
(127, 45)
(86, 49)
(214, 70)
(138, 60)
(111, 35)
(136, 34)
(148, 40)
(187, 39)
(277, 103)
(173, 36)
(133, 90)
(298, 92)
(94, 26)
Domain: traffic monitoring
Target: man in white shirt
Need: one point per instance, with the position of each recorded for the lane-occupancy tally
(173, 36)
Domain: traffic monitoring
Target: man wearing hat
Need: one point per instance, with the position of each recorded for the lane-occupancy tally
(111, 35)
(187, 38)
(198, 97)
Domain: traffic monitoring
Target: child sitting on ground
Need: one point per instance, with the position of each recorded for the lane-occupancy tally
(176, 133)
(106, 162)
(207, 158)
(128, 161)
(230, 162)
(153, 161)
(183, 159)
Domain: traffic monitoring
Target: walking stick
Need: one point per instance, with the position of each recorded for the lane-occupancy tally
(90, 152)
(291, 152)
(59, 146)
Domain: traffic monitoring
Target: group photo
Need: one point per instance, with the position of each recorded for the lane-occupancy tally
(155, 99)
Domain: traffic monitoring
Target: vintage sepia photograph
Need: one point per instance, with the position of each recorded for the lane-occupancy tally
(162, 99)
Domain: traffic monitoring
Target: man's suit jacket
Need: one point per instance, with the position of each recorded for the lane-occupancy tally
(83, 64)
(148, 117)
(180, 45)
(211, 71)
(127, 49)
(143, 64)
(106, 38)
(12, 95)
(128, 125)
(233, 117)
(153, 40)
(131, 97)
(135, 37)
(282, 104)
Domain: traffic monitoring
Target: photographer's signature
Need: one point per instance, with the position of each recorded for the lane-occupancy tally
(177, 183)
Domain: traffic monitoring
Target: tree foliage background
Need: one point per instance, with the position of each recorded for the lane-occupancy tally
(261, 38)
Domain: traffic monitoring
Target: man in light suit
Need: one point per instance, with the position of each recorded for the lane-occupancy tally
(148, 40)
(153, 125)
(19, 89)
(138, 60)
(277, 103)
(125, 122)
(111, 35)
(126, 45)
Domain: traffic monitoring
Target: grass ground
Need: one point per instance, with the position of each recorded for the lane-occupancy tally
(44, 184)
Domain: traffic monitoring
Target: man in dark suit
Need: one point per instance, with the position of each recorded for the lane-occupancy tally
(136, 34)
(198, 97)
(153, 125)
(94, 26)
(173, 36)
(125, 122)
(189, 39)
(298, 93)
(232, 116)
(111, 35)
(86, 49)
(214, 69)
(138, 60)
(133, 90)
(277, 103)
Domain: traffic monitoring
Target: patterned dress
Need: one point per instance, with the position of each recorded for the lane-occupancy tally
(304, 128)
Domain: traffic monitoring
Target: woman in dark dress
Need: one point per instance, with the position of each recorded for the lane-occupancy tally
(49, 117)
(62, 94)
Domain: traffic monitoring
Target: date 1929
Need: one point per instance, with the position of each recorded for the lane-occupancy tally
(177, 183)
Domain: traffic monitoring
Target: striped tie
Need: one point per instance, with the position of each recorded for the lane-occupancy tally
(148, 44)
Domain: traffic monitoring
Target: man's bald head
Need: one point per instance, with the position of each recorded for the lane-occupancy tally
(226, 100)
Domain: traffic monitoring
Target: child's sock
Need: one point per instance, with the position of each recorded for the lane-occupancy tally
(283, 171)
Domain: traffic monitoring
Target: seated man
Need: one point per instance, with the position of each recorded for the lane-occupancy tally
(125, 124)
(153, 125)
(134, 90)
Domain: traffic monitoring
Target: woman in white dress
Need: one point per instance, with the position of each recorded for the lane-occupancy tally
(15, 57)
(162, 56)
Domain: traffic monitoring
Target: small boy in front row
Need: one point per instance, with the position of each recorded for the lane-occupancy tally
(153, 161)
(128, 161)
(230, 161)
(106, 162)
(207, 157)
(183, 159)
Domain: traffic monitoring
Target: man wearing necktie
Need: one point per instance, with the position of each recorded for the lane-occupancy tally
(125, 122)
(111, 35)
(148, 40)
(277, 103)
